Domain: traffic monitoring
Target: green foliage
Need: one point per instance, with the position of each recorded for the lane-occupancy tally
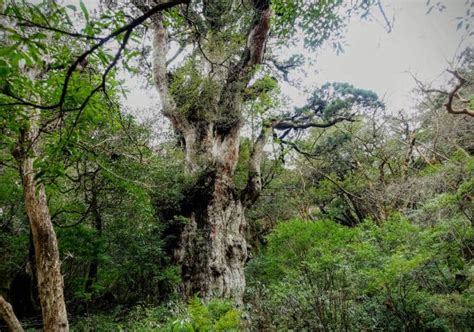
(214, 316)
(194, 94)
(399, 275)
(320, 21)
(317, 19)
(217, 315)
(340, 99)
(14, 239)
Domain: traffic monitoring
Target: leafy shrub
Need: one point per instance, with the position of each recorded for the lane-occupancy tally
(396, 276)
(217, 315)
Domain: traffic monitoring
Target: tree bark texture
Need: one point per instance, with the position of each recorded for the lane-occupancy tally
(9, 316)
(48, 265)
(212, 249)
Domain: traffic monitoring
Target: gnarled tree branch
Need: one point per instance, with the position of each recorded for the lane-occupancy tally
(288, 124)
(454, 94)
(160, 47)
(254, 183)
(240, 74)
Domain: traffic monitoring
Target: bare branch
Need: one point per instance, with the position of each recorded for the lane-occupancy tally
(388, 23)
(454, 94)
(288, 124)
(178, 52)
(282, 67)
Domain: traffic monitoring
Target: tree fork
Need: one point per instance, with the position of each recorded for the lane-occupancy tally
(212, 249)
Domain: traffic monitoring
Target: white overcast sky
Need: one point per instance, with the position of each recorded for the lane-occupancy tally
(423, 44)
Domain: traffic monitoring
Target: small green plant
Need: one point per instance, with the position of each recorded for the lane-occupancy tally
(217, 315)
(196, 316)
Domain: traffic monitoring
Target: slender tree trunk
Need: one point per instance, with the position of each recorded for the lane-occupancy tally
(48, 266)
(31, 271)
(94, 265)
(9, 316)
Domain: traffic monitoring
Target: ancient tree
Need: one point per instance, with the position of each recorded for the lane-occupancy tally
(223, 55)
(225, 44)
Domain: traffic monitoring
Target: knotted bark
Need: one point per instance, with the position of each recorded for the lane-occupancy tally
(211, 249)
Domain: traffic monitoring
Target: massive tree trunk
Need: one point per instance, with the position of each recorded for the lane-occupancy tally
(48, 266)
(212, 249)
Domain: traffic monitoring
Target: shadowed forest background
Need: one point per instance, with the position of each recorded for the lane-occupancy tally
(234, 209)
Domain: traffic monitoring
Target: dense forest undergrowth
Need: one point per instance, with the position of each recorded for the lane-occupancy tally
(245, 213)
